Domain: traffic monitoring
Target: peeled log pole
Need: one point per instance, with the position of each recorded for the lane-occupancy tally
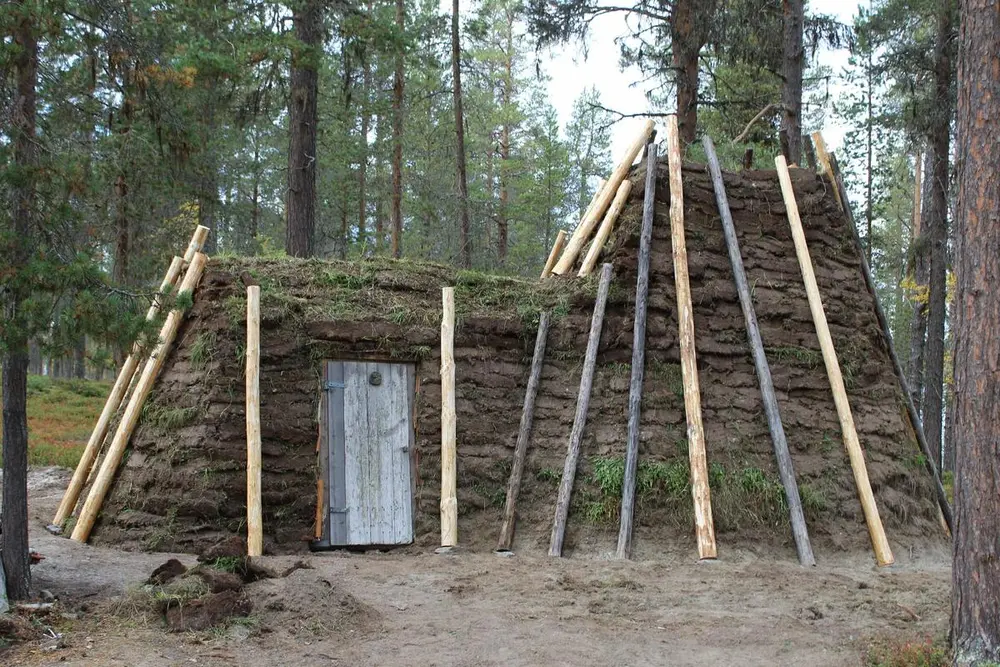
(580, 420)
(785, 470)
(119, 390)
(102, 483)
(523, 435)
(255, 521)
(449, 482)
(832, 171)
(554, 254)
(604, 231)
(883, 554)
(595, 212)
(638, 356)
(700, 492)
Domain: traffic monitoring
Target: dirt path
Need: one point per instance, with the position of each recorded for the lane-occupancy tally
(477, 609)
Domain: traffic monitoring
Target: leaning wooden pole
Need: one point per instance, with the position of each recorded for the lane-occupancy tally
(785, 470)
(638, 356)
(119, 390)
(255, 521)
(580, 419)
(449, 455)
(700, 491)
(557, 248)
(604, 231)
(830, 168)
(523, 435)
(102, 482)
(601, 203)
(883, 554)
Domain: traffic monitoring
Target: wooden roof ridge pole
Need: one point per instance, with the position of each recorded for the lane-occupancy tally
(883, 554)
(580, 419)
(102, 482)
(255, 522)
(700, 492)
(786, 472)
(557, 247)
(120, 389)
(523, 435)
(594, 213)
(638, 356)
(449, 454)
(604, 231)
(832, 171)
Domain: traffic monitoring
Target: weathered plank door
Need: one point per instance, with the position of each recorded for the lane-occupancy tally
(370, 434)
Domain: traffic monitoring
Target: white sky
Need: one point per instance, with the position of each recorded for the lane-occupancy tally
(570, 73)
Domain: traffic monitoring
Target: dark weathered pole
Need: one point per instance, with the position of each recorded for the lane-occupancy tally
(785, 469)
(580, 420)
(523, 435)
(638, 356)
(911, 409)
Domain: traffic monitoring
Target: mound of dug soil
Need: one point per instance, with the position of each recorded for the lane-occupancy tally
(183, 485)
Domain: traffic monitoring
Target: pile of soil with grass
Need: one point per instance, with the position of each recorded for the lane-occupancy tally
(183, 484)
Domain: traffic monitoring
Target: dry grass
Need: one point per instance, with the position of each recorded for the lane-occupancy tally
(61, 414)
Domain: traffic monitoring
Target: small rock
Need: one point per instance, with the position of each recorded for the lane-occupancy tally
(46, 596)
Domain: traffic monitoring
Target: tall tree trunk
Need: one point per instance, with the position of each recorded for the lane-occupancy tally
(937, 229)
(35, 363)
(80, 358)
(918, 323)
(506, 98)
(397, 133)
(300, 209)
(208, 188)
(685, 46)
(792, 64)
(14, 516)
(366, 118)
(379, 184)
(869, 180)
(464, 242)
(254, 244)
(975, 618)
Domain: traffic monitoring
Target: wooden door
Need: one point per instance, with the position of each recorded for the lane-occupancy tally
(370, 434)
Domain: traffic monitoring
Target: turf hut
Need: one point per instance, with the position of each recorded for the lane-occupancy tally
(364, 338)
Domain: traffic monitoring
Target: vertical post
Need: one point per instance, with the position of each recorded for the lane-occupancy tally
(580, 420)
(785, 470)
(883, 554)
(102, 482)
(638, 356)
(523, 435)
(449, 456)
(700, 492)
(255, 522)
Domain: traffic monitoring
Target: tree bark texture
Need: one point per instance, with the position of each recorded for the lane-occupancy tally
(937, 231)
(465, 243)
(685, 45)
(792, 64)
(14, 516)
(366, 119)
(975, 621)
(397, 136)
(300, 208)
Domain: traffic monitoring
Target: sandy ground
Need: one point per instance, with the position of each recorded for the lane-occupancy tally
(478, 609)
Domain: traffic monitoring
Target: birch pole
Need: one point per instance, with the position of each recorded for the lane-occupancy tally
(594, 213)
(255, 521)
(604, 231)
(580, 419)
(700, 491)
(120, 389)
(883, 554)
(449, 481)
(102, 482)
(800, 533)
(638, 356)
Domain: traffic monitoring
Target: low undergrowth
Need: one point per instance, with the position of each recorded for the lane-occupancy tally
(925, 652)
(61, 415)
